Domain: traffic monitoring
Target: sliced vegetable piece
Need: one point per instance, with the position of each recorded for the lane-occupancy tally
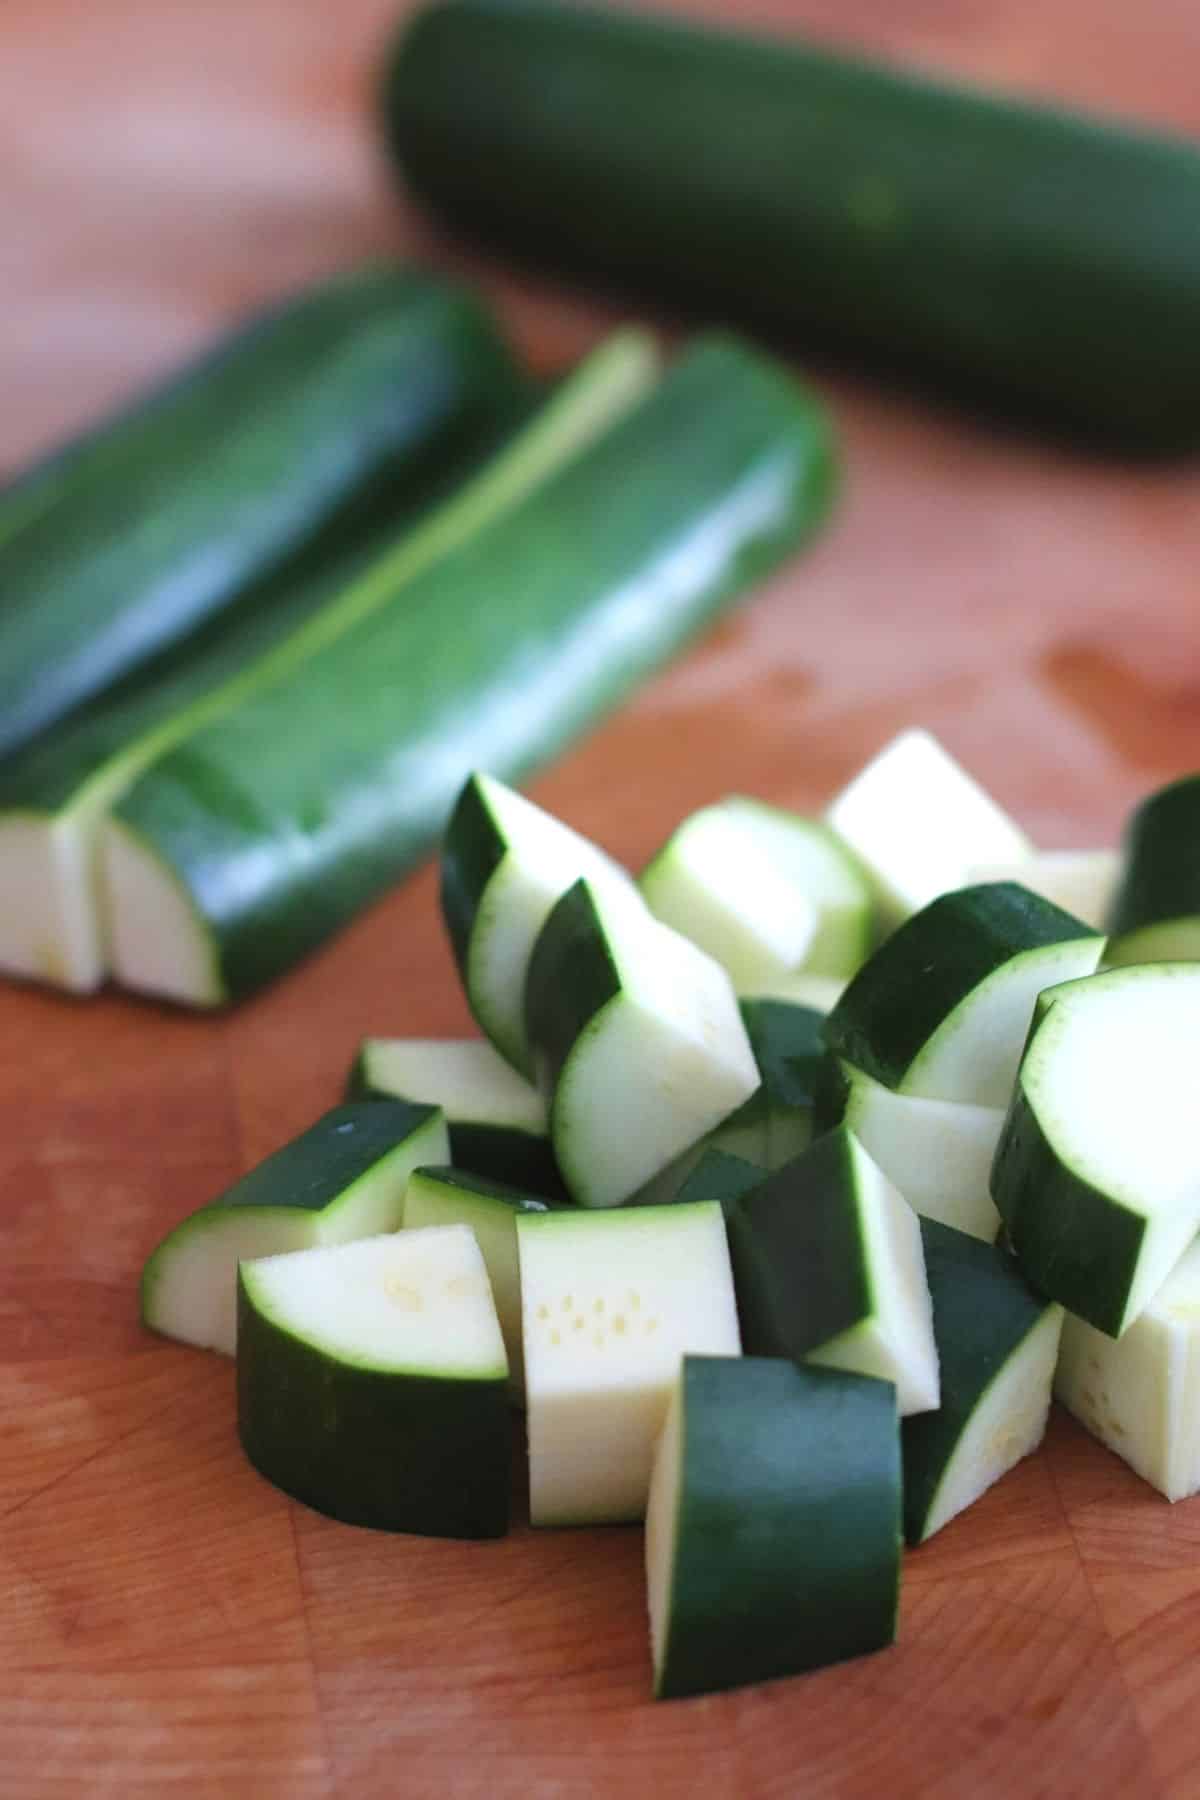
(917, 822)
(773, 1529)
(372, 1382)
(638, 1040)
(1155, 914)
(500, 653)
(343, 1178)
(1082, 882)
(939, 1153)
(1141, 1394)
(611, 1301)
(1097, 1173)
(450, 1196)
(997, 1344)
(496, 1119)
(504, 863)
(718, 1175)
(942, 1008)
(828, 1265)
(789, 1047)
(131, 537)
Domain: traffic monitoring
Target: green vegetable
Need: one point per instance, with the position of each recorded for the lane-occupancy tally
(1096, 1170)
(997, 1342)
(372, 1383)
(773, 1529)
(1034, 259)
(1155, 914)
(251, 843)
(136, 534)
(341, 1179)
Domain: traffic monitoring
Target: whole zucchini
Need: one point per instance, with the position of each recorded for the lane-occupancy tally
(1038, 261)
(131, 537)
(258, 836)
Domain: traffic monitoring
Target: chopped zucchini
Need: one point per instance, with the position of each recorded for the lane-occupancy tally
(341, 1179)
(372, 1380)
(1155, 915)
(1082, 882)
(773, 1529)
(611, 1301)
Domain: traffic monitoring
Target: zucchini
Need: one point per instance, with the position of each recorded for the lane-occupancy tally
(942, 1008)
(637, 1040)
(1082, 882)
(719, 1175)
(765, 892)
(828, 1267)
(454, 1197)
(1155, 915)
(371, 1382)
(341, 1179)
(938, 1153)
(997, 1343)
(1140, 1395)
(939, 230)
(504, 863)
(496, 1119)
(918, 822)
(131, 538)
(610, 1303)
(249, 844)
(1096, 1170)
(773, 1529)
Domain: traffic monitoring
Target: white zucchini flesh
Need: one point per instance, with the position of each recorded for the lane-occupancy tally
(414, 1301)
(49, 928)
(1140, 1394)
(717, 885)
(466, 1077)
(819, 866)
(662, 1511)
(895, 1342)
(1082, 882)
(157, 942)
(917, 822)
(938, 1153)
(610, 1303)
(974, 1053)
(655, 1069)
(543, 859)
(1008, 1423)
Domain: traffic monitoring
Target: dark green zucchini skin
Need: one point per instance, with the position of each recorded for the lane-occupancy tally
(1040, 262)
(571, 976)
(414, 1454)
(787, 1544)
(496, 657)
(1161, 880)
(121, 546)
(719, 1176)
(313, 1169)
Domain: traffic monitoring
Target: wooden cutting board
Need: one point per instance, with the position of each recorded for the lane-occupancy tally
(170, 1625)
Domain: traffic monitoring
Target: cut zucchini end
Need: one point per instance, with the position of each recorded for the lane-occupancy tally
(189, 1283)
(50, 922)
(662, 1515)
(1168, 940)
(1007, 1425)
(158, 942)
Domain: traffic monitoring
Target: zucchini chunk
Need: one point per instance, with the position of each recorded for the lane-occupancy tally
(1081, 882)
(496, 1119)
(610, 1302)
(371, 1382)
(455, 1197)
(637, 1039)
(766, 892)
(942, 1008)
(265, 840)
(997, 1344)
(1155, 914)
(1140, 1395)
(719, 1175)
(828, 1265)
(1097, 1173)
(343, 1178)
(133, 536)
(917, 822)
(939, 1153)
(504, 864)
(773, 1528)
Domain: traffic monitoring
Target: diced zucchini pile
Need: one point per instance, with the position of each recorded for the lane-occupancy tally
(655, 1160)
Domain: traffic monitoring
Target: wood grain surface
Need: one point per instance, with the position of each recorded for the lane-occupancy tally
(169, 1624)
